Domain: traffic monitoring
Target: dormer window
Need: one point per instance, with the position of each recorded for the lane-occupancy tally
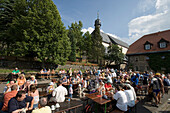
(147, 45)
(163, 43)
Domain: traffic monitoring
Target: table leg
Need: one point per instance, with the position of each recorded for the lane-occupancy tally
(105, 108)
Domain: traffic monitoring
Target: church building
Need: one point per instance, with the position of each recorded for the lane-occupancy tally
(107, 40)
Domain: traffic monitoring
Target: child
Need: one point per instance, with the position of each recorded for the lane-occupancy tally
(70, 92)
(50, 89)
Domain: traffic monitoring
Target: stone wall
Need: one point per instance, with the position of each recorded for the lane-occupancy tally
(139, 63)
(76, 67)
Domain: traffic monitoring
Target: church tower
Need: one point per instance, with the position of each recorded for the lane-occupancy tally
(97, 21)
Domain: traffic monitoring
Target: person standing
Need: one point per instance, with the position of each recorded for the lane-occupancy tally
(59, 93)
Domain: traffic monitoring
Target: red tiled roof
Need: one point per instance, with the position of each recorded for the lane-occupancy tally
(138, 46)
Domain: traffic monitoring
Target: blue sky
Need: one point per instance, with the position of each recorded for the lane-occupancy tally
(127, 20)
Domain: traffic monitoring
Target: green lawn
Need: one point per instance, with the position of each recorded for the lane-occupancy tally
(10, 70)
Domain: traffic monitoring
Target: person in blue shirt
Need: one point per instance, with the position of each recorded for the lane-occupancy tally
(135, 80)
(20, 103)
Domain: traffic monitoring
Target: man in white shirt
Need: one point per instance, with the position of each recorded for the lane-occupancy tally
(132, 89)
(109, 78)
(121, 98)
(129, 95)
(60, 93)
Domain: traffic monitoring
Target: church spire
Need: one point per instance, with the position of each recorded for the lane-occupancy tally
(97, 21)
(98, 14)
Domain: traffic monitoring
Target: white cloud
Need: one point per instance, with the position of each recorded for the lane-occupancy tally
(143, 5)
(90, 30)
(155, 22)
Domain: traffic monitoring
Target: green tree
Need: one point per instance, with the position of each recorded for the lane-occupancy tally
(98, 48)
(88, 45)
(6, 17)
(37, 31)
(76, 39)
(115, 54)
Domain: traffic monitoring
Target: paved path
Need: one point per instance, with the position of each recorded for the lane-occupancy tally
(146, 107)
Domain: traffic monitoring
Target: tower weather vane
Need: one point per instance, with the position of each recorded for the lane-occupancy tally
(98, 14)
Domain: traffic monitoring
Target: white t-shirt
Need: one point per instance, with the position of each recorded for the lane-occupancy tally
(130, 98)
(45, 109)
(133, 90)
(121, 100)
(109, 79)
(60, 93)
(114, 74)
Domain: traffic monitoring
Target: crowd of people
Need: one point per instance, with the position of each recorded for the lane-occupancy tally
(23, 95)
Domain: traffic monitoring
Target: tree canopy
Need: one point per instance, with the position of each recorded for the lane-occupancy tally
(37, 31)
(76, 39)
(97, 46)
(115, 54)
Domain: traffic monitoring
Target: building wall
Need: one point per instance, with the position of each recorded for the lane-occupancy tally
(139, 63)
(106, 45)
(124, 50)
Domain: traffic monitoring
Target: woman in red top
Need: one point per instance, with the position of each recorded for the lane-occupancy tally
(108, 86)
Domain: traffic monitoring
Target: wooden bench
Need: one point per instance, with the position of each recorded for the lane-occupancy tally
(117, 111)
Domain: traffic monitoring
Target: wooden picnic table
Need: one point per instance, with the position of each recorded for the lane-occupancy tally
(98, 99)
(67, 106)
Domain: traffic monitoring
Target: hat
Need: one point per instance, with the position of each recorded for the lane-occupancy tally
(158, 74)
(108, 81)
(71, 85)
(51, 83)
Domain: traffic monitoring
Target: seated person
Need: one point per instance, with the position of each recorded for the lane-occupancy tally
(130, 96)
(64, 80)
(8, 96)
(20, 103)
(52, 72)
(22, 72)
(101, 86)
(26, 86)
(21, 80)
(50, 89)
(108, 86)
(59, 93)
(71, 80)
(109, 78)
(42, 108)
(121, 98)
(8, 86)
(33, 80)
(15, 73)
(77, 78)
(35, 94)
(49, 74)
